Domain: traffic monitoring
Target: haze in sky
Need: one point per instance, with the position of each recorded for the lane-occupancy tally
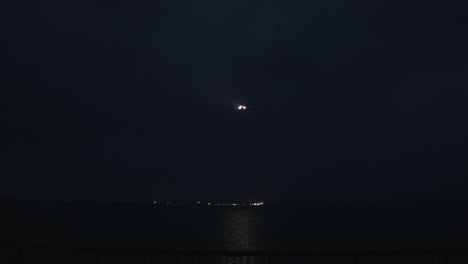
(125, 100)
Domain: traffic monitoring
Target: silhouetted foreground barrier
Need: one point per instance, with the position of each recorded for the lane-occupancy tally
(30, 254)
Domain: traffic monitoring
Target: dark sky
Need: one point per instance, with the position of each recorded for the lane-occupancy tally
(125, 100)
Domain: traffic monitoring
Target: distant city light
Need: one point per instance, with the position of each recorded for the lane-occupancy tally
(241, 107)
(199, 203)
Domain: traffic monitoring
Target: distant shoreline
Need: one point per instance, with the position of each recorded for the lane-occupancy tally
(8, 199)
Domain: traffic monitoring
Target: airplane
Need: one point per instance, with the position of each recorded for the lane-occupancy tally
(242, 108)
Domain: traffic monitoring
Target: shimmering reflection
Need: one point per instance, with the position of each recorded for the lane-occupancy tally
(242, 230)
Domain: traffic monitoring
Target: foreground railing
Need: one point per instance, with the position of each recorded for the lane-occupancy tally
(32, 254)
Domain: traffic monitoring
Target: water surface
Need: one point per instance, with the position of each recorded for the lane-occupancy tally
(359, 227)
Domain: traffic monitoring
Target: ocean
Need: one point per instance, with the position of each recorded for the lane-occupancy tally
(259, 228)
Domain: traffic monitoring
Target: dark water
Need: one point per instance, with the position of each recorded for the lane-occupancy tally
(364, 227)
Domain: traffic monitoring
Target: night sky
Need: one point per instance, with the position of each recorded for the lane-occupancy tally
(126, 100)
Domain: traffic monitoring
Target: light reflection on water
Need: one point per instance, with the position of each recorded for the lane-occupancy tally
(241, 230)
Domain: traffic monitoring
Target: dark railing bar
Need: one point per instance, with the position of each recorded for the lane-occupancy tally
(30, 254)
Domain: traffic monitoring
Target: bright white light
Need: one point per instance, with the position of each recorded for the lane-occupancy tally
(240, 107)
